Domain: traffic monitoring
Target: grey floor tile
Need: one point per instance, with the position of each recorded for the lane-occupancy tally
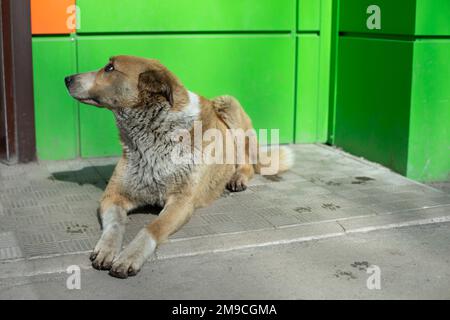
(51, 207)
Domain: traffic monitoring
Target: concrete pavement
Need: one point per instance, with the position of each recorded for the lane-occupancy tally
(282, 238)
(414, 263)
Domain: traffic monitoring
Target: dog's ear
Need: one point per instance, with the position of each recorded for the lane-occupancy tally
(154, 82)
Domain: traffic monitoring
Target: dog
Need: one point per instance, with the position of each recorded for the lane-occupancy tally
(149, 104)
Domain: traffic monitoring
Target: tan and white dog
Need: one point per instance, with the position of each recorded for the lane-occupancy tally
(150, 104)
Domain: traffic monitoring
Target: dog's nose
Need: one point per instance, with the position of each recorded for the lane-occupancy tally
(68, 81)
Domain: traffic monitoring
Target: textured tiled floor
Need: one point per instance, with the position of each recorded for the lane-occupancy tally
(49, 209)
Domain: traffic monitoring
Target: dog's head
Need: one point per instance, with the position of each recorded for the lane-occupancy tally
(126, 82)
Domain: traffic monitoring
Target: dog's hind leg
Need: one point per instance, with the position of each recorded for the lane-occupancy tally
(230, 111)
(175, 214)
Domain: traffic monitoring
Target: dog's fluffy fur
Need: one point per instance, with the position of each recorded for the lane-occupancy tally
(150, 104)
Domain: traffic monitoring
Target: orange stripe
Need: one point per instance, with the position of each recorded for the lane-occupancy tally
(51, 17)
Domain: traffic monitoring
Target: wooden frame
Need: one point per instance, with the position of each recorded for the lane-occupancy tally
(17, 128)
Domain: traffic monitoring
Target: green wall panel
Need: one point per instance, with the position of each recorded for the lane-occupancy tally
(257, 69)
(313, 72)
(433, 17)
(429, 142)
(307, 115)
(98, 133)
(397, 16)
(374, 98)
(401, 84)
(115, 16)
(309, 15)
(325, 69)
(56, 112)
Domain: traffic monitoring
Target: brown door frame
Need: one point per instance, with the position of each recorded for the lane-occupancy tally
(17, 127)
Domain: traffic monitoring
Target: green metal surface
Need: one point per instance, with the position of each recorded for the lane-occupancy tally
(226, 58)
(381, 94)
(374, 98)
(56, 113)
(307, 115)
(313, 75)
(399, 17)
(309, 15)
(325, 67)
(116, 16)
(334, 46)
(429, 140)
(257, 69)
(433, 18)
(392, 98)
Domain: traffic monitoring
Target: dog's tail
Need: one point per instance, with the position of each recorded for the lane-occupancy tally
(274, 160)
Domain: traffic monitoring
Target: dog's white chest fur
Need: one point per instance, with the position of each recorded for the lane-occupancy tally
(153, 153)
(151, 171)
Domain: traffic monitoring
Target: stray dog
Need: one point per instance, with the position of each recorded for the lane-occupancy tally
(150, 104)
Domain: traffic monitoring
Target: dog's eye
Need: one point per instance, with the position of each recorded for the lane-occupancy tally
(109, 68)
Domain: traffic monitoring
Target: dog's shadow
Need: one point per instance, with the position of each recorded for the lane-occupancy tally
(98, 176)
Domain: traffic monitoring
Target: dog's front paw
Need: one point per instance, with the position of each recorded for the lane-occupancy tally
(106, 250)
(238, 183)
(130, 260)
